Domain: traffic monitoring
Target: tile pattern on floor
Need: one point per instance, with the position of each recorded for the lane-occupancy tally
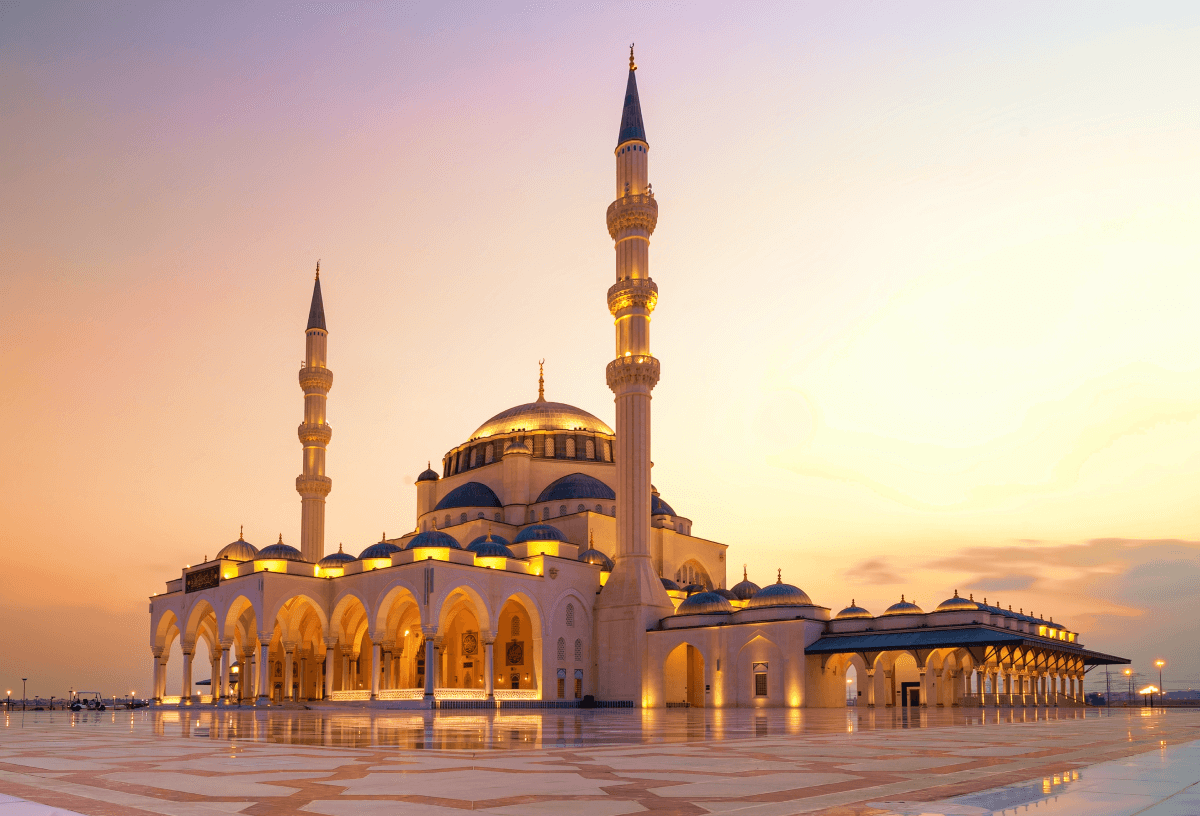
(606, 763)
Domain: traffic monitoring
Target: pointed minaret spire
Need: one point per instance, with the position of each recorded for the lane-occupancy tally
(631, 115)
(541, 381)
(316, 312)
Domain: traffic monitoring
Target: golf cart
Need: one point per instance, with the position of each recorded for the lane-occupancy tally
(86, 701)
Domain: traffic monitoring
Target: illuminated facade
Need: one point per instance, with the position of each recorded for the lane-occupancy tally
(544, 566)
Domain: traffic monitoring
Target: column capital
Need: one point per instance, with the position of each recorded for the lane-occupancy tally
(289, 646)
(264, 638)
(331, 642)
(157, 651)
(488, 637)
(226, 643)
(428, 630)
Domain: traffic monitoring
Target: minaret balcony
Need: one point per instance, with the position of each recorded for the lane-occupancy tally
(315, 434)
(632, 292)
(316, 379)
(633, 369)
(313, 486)
(638, 211)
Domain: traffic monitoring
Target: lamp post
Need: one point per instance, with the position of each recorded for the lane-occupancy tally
(1129, 685)
(10, 699)
(1160, 663)
(23, 695)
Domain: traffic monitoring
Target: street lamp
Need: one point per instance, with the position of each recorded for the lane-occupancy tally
(1129, 684)
(1160, 663)
(23, 695)
(9, 699)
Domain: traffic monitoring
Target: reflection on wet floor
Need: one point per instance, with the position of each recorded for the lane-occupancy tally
(549, 728)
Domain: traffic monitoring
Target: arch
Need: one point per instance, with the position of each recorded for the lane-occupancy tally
(162, 635)
(760, 655)
(693, 572)
(350, 614)
(445, 605)
(393, 596)
(273, 613)
(683, 676)
(529, 642)
(233, 614)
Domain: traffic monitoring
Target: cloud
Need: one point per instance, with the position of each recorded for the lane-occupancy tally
(872, 571)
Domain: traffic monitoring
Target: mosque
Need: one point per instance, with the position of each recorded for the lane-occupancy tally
(544, 569)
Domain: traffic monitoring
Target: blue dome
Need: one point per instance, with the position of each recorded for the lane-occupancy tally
(779, 594)
(692, 589)
(745, 588)
(576, 486)
(337, 559)
(433, 538)
(726, 594)
(381, 549)
(428, 475)
(539, 532)
(495, 538)
(471, 494)
(669, 584)
(658, 507)
(490, 546)
(280, 552)
(598, 558)
(239, 550)
(704, 603)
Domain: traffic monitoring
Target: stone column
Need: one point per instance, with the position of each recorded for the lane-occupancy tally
(429, 660)
(264, 669)
(489, 664)
(386, 674)
(375, 665)
(870, 688)
(289, 653)
(157, 673)
(303, 684)
(330, 647)
(346, 671)
(224, 695)
(923, 687)
(439, 659)
(214, 680)
(186, 691)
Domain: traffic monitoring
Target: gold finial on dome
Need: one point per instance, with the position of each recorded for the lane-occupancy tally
(280, 538)
(318, 269)
(901, 598)
(632, 64)
(383, 537)
(241, 532)
(339, 547)
(591, 539)
(852, 603)
(779, 576)
(972, 596)
(541, 380)
(956, 593)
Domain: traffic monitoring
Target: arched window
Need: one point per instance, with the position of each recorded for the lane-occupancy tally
(570, 614)
(532, 515)
(473, 452)
(549, 447)
(496, 516)
(580, 508)
(589, 448)
(607, 451)
(562, 649)
(488, 455)
(462, 518)
(614, 510)
(516, 626)
(562, 509)
(545, 513)
(578, 650)
(599, 509)
(479, 515)
(570, 447)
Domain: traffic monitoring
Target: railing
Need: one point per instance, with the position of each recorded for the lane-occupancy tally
(173, 700)
(516, 694)
(459, 694)
(401, 694)
(350, 694)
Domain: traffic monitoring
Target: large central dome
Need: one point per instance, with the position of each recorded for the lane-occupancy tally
(542, 416)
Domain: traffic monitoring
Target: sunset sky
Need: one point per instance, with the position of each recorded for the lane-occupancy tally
(929, 273)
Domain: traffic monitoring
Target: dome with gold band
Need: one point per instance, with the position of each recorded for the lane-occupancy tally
(542, 416)
(957, 604)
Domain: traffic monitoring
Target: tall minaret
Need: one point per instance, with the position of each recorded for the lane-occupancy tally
(316, 380)
(633, 599)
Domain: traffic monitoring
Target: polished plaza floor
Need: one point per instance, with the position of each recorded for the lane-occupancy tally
(602, 763)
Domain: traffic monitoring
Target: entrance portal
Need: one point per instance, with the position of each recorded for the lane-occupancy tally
(910, 694)
(683, 677)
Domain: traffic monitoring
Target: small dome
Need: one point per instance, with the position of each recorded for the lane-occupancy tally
(490, 547)
(471, 494)
(745, 588)
(704, 603)
(726, 594)
(539, 532)
(381, 549)
(669, 584)
(517, 446)
(433, 538)
(576, 486)
(240, 550)
(692, 589)
(495, 538)
(594, 556)
(279, 552)
(903, 608)
(658, 507)
(957, 604)
(428, 474)
(779, 594)
(337, 559)
(852, 612)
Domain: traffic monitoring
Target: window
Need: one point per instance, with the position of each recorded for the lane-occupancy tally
(516, 626)
(447, 519)
(580, 508)
(496, 516)
(562, 509)
(578, 688)
(614, 510)
(570, 614)
(545, 513)
(515, 680)
(589, 448)
(532, 515)
(570, 447)
(760, 684)
(488, 455)
(599, 509)
(473, 452)
(462, 518)
(562, 691)
(549, 447)
(578, 650)
(562, 650)
(608, 451)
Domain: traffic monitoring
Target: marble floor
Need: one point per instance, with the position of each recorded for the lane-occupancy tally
(602, 763)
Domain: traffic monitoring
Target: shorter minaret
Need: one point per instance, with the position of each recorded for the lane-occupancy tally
(315, 379)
